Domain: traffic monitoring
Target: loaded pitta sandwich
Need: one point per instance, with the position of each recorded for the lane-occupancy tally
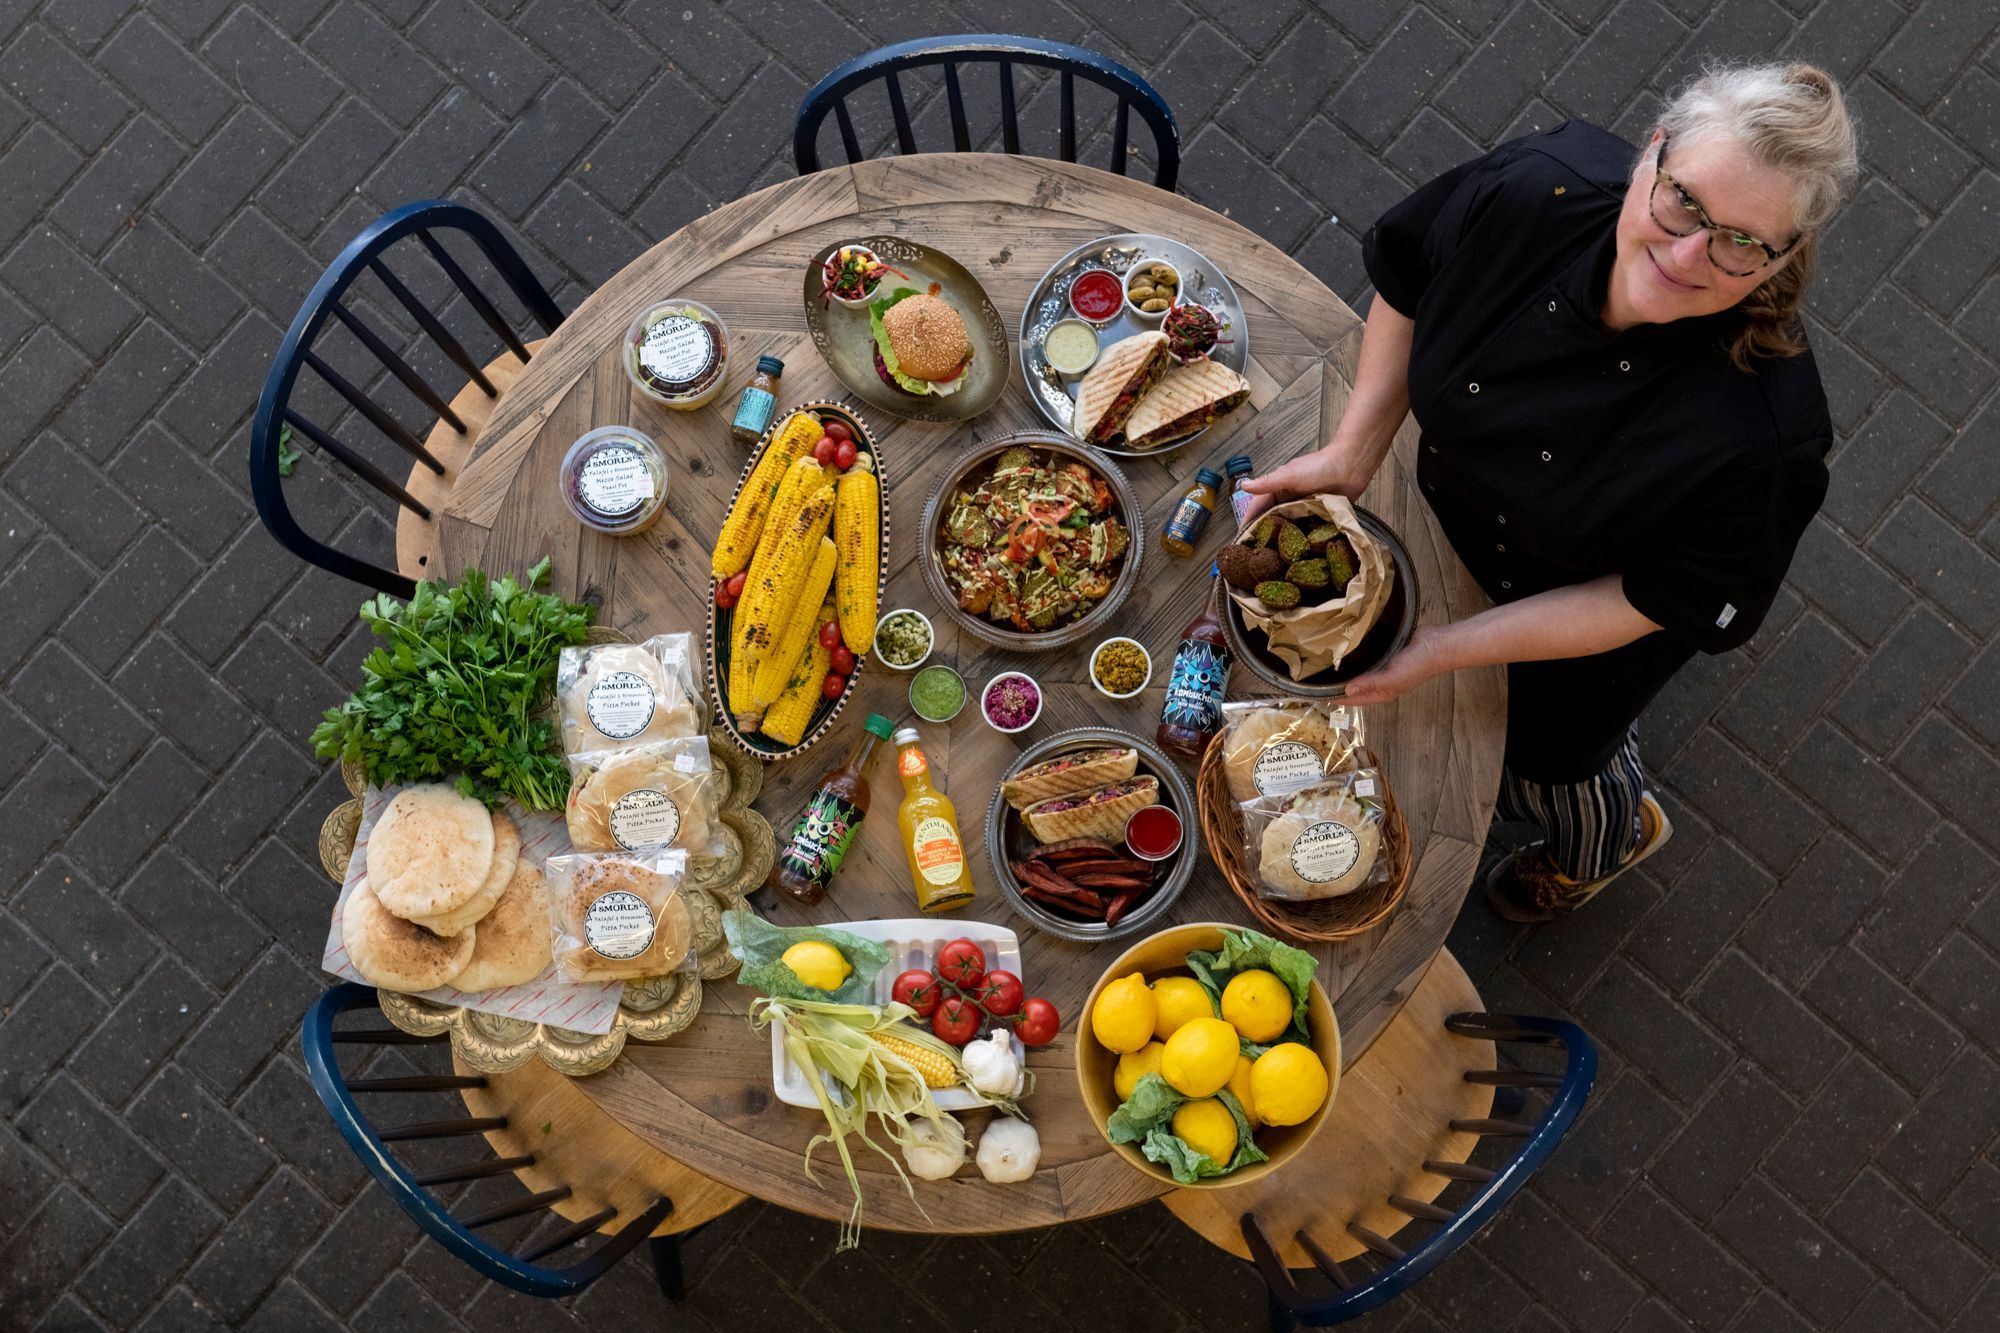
(1120, 379)
(1188, 399)
(1091, 814)
(1079, 770)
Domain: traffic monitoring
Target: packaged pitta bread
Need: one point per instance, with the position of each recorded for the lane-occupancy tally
(1321, 841)
(614, 916)
(660, 794)
(614, 695)
(1273, 747)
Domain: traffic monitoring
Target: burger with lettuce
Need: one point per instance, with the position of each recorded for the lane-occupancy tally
(921, 346)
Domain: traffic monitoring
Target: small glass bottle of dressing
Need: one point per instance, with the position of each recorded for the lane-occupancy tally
(1190, 517)
(760, 396)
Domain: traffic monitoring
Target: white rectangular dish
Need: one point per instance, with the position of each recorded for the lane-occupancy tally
(911, 942)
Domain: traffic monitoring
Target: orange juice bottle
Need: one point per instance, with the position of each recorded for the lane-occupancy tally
(929, 821)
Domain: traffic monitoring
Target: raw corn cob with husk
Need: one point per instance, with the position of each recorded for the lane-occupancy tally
(745, 524)
(802, 624)
(785, 721)
(857, 531)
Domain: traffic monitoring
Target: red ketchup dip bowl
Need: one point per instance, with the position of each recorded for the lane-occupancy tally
(1097, 295)
(1153, 833)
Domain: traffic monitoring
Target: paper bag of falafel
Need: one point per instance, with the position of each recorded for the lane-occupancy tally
(1311, 578)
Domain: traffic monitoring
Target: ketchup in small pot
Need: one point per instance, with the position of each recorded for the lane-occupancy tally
(1153, 833)
(1097, 295)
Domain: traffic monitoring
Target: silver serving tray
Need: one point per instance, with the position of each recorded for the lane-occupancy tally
(845, 340)
(1054, 393)
(1007, 838)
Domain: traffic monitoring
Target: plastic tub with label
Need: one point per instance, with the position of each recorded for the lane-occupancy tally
(615, 480)
(677, 352)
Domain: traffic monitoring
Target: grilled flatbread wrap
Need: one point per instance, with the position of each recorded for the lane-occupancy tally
(1188, 399)
(1092, 814)
(1079, 770)
(1121, 377)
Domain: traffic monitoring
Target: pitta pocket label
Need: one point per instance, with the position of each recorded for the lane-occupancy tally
(618, 925)
(1325, 852)
(620, 705)
(1285, 767)
(644, 817)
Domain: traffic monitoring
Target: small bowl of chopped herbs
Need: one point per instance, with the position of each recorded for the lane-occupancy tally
(1120, 667)
(903, 639)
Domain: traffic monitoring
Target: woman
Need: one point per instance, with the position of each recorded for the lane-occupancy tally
(1623, 432)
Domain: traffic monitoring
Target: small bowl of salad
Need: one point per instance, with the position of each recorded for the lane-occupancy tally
(903, 639)
(1011, 702)
(851, 274)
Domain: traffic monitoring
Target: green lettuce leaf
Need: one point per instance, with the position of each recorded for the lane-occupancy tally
(877, 309)
(1146, 1118)
(760, 947)
(1151, 1104)
(1245, 950)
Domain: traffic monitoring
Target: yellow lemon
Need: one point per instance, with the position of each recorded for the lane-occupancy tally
(1179, 999)
(1288, 1083)
(1239, 1088)
(1135, 1065)
(1207, 1127)
(818, 964)
(1200, 1057)
(1257, 1004)
(1123, 1016)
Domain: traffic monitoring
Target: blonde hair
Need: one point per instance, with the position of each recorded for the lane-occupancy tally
(1793, 119)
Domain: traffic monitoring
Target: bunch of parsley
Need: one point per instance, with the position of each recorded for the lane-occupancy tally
(457, 687)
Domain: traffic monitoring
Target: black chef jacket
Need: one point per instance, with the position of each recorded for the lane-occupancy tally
(1555, 451)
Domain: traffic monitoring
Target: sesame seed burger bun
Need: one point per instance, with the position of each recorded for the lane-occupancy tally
(928, 337)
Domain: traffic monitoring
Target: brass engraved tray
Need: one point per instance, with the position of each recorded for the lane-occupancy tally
(651, 1010)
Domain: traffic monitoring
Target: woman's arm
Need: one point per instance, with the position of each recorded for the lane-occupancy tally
(1380, 400)
(1576, 621)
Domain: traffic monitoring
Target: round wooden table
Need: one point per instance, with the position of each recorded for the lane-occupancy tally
(705, 1097)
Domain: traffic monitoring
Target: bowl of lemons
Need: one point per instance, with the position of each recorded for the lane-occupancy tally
(1208, 1054)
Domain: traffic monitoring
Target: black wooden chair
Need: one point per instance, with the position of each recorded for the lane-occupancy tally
(579, 1169)
(452, 418)
(1004, 53)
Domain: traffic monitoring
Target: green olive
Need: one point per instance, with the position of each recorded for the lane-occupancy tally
(1154, 306)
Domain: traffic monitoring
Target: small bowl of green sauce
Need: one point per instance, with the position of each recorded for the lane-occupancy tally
(937, 693)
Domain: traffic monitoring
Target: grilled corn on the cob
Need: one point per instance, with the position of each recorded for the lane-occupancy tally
(801, 479)
(857, 531)
(745, 524)
(801, 624)
(767, 597)
(785, 721)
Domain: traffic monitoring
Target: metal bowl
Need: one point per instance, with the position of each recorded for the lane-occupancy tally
(981, 455)
(1392, 629)
(1007, 838)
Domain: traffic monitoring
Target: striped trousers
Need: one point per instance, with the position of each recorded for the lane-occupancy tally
(1591, 826)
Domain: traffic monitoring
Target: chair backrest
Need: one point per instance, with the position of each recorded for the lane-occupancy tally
(1004, 52)
(1399, 1268)
(412, 1190)
(277, 414)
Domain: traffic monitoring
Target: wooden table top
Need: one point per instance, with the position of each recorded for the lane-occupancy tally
(705, 1097)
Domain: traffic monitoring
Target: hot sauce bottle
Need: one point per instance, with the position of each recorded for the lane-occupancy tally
(938, 869)
(1193, 711)
(832, 817)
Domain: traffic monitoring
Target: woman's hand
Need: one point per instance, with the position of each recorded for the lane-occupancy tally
(1325, 469)
(1420, 659)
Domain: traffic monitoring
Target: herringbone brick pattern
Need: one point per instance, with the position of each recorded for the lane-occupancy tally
(1795, 1124)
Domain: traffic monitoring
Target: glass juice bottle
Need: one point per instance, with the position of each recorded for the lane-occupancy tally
(929, 822)
(822, 835)
(1193, 711)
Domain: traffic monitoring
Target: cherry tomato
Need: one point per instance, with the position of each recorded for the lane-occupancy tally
(918, 989)
(736, 582)
(956, 1020)
(823, 451)
(831, 687)
(961, 963)
(844, 456)
(838, 429)
(1039, 1022)
(999, 994)
(843, 661)
(722, 597)
(829, 635)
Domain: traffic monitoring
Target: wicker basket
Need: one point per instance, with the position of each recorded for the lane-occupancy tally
(1321, 922)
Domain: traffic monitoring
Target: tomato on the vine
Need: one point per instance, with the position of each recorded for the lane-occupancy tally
(962, 963)
(918, 989)
(956, 1020)
(999, 993)
(1039, 1022)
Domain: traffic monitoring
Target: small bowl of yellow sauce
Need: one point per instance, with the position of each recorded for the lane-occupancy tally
(1071, 346)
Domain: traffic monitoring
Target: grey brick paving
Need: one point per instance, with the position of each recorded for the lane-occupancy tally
(1795, 1129)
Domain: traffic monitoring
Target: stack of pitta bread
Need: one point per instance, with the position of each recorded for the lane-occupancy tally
(449, 899)
(1136, 395)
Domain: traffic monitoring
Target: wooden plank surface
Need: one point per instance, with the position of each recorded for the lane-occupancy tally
(705, 1097)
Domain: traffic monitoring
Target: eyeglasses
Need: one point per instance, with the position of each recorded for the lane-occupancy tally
(1737, 253)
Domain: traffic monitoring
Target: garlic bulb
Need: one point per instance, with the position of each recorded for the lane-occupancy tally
(1009, 1151)
(992, 1067)
(935, 1148)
